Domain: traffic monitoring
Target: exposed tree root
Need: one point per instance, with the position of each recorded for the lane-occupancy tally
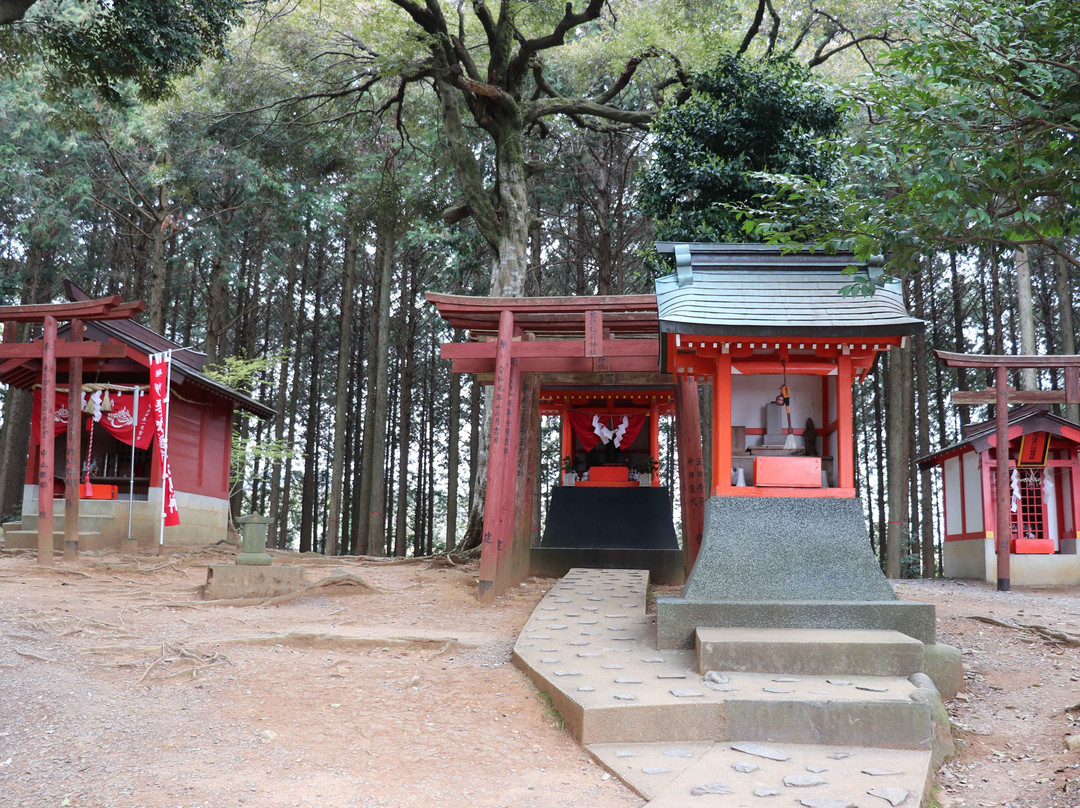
(172, 654)
(1053, 635)
(30, 655)
(297, 639)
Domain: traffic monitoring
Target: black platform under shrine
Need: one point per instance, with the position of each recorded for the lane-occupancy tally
(617, 527)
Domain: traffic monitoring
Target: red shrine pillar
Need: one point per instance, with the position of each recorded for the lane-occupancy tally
(502, 459)
(691, 468)
(1003, 523)
(721, 424)
(74, 449)
(845, 426)
(654, 440)
(46, 447)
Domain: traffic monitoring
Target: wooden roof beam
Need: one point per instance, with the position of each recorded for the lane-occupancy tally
(104, 308)
(545, 305)
(959, 360)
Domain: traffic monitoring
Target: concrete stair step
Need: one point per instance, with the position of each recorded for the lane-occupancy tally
(822, 652)
(27, 539)
(672, 775)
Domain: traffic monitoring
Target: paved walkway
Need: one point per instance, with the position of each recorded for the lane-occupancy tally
(680, 738)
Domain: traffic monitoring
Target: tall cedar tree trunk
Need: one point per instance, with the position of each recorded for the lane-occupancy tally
(996, 323)
(390, 461)
(294, 401)
(1065, 322)
(1026, 313)
(341, 393)
(356, 501)
(275, 537)
(217, 310)
(960, 342)
(18, 405)
(405, 383)
(375, 486)
(157, 263)
(308, 499)
(429, 547)
(922, 433)
(898, 443)
(247, 294)
(452, 461)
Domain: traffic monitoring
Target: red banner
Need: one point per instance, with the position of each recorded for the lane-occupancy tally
(118, 422)
(593, 428)
(60, 417)
(159, 405)
(584, 428)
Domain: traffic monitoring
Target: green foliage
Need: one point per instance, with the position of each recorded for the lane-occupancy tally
(972, 138)
(244, 374)
(742, 118)
(101, 45)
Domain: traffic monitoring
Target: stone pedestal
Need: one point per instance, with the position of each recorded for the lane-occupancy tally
(252, 576)
(787, 562)
(228, 581)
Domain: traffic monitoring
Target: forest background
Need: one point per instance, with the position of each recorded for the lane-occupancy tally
(282, 181)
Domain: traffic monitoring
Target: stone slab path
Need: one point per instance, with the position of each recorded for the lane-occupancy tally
(671, 733)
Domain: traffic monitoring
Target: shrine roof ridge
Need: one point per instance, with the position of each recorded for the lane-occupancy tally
(761, 290)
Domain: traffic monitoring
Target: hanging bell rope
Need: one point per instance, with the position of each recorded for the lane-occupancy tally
(88, 488)
(789, 442)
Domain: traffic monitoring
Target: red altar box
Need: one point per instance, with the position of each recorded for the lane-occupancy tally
(787, 472)
(100, 492)
(608, 474)
(1032, 546)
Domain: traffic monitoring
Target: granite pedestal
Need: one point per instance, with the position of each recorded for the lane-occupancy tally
(787, 562)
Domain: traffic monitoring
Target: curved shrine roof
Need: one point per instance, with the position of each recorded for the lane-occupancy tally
(758, 290)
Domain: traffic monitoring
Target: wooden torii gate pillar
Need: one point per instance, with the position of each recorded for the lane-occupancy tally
(49, 349)
(1001, 395)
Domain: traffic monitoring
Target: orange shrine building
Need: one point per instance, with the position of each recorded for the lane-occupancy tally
(770, 334)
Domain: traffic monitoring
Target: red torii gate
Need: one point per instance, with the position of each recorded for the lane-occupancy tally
(600, 337)
(1001, 395)
(49, 349)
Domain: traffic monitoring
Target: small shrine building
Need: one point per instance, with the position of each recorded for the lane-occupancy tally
(773, 335)
(1044, 498)
(781, 346)
(118, 483)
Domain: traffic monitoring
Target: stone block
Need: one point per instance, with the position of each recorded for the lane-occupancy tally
(891, 724)
(945, 667)
(822, 652)
(227, 581)
(941, 742)
(677, 619)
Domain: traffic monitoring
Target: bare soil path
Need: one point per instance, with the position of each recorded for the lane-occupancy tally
(120, 687)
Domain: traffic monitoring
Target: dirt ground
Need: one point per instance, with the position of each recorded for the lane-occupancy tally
(120, 687)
